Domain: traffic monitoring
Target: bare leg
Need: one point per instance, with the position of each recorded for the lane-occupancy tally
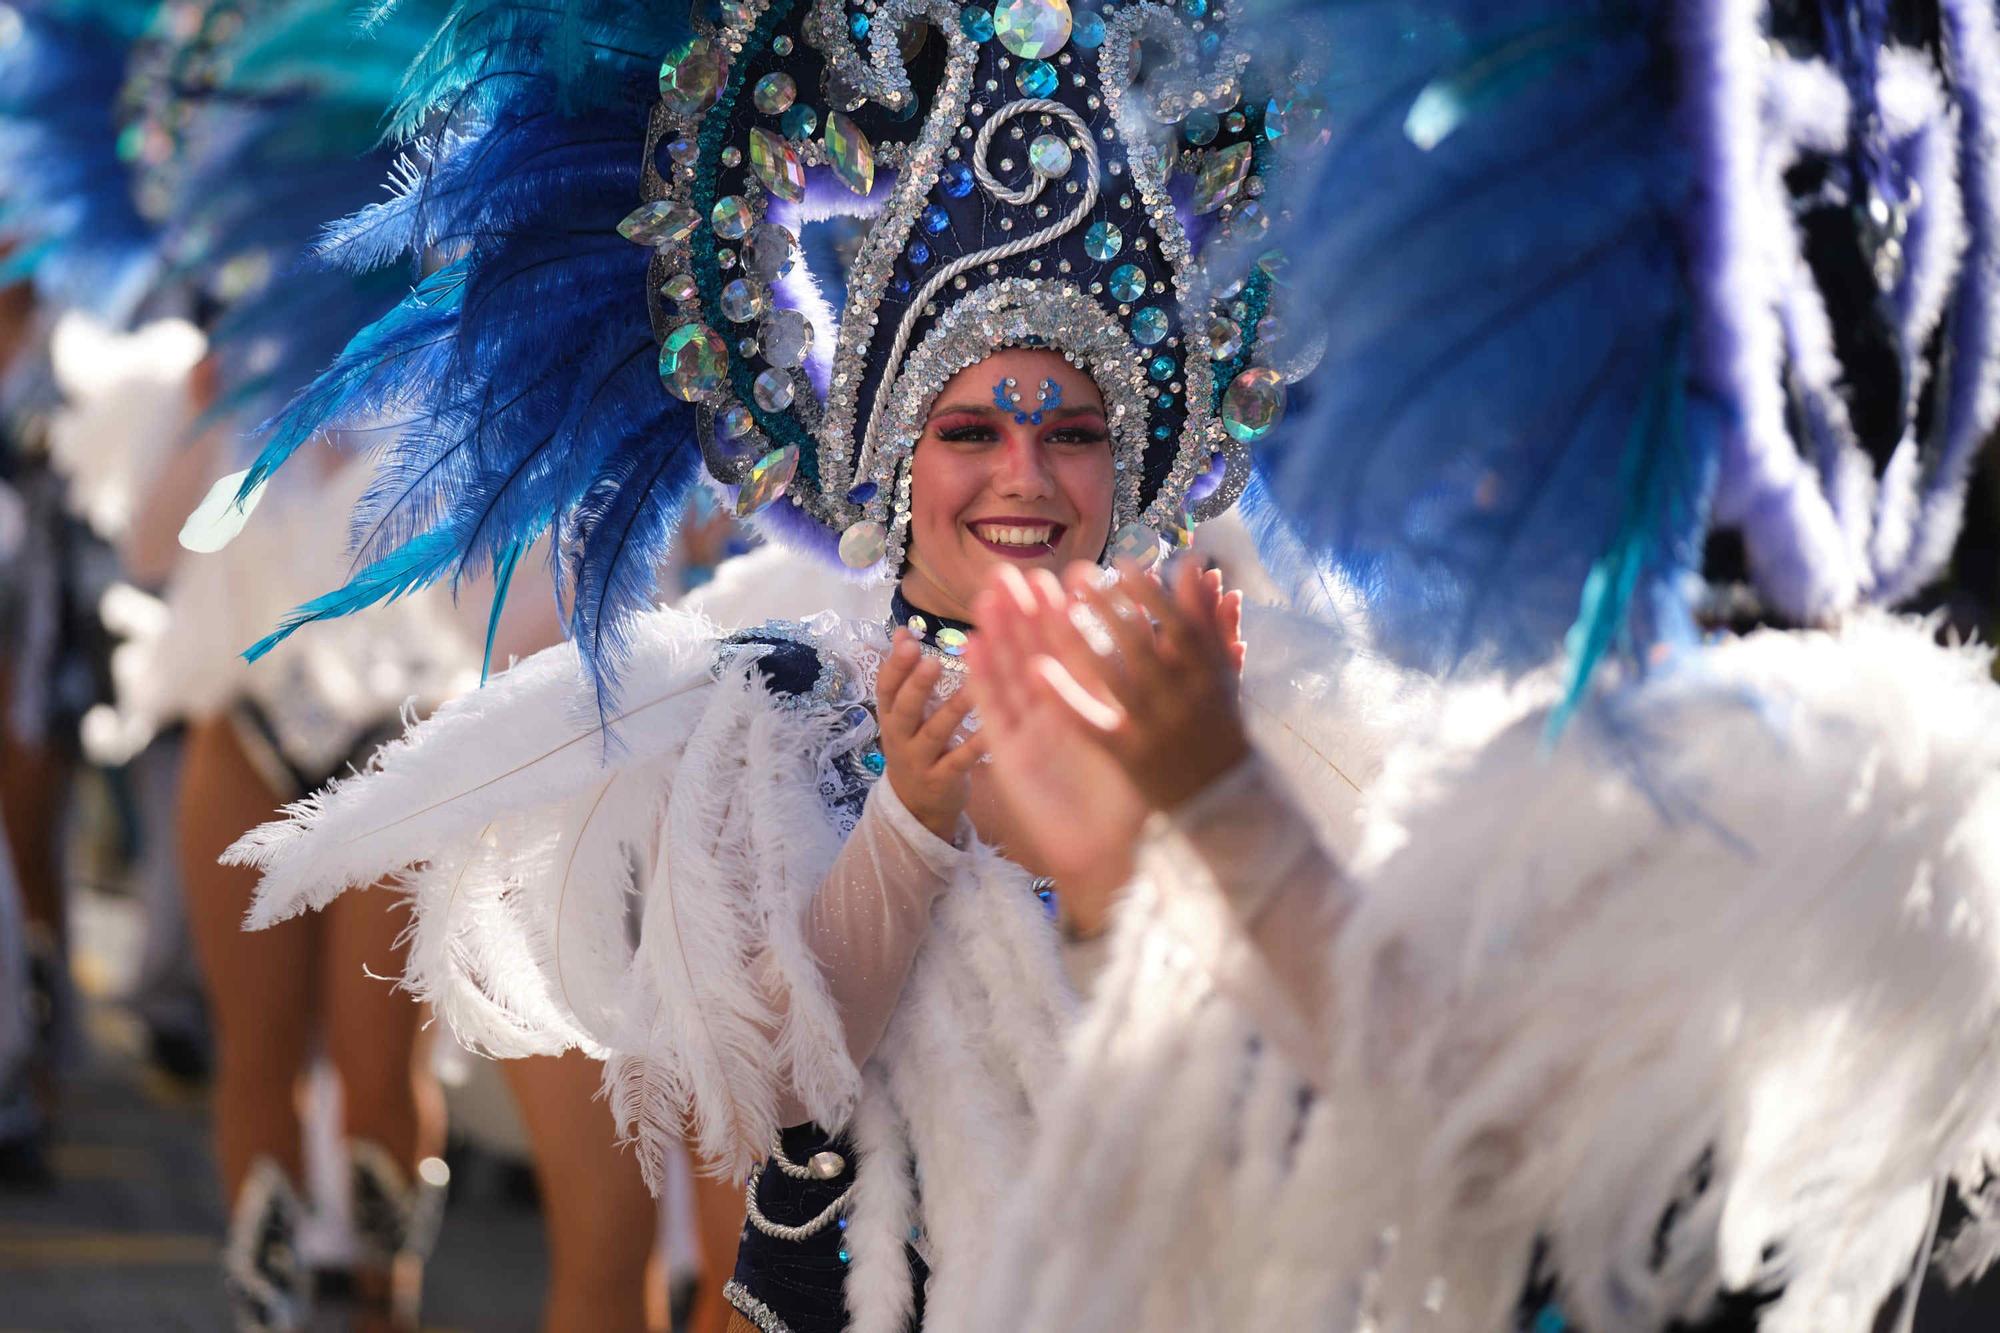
(260, 986)
(374, 1038)
(599, 1217)
(718, 1210)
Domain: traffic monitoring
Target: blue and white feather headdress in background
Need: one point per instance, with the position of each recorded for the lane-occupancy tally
(1619, 293)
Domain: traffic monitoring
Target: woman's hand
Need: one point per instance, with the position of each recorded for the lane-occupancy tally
(1163, 700)
(1067, 799)
(927, 772)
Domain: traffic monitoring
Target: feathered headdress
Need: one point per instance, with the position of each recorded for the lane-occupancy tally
(1615, 293)
(627, 294)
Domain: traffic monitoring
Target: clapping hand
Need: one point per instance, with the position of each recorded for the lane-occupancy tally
(930, 775)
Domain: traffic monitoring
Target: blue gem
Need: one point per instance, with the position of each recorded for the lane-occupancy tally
(1194, 9)
(936, 219)
(956, 179)
(1087, 30)
(841, 1223)
(875, 762)
(862, 494)
(845, 1257)
(920, 254)
(858, 25)
(1550, 1319)
(1048, 897)
(1211, 42)
(901, 285)
(915, 1234)
(1161, 370)
(1128, 283)
(976, 22)
(1037, 79)
(1163, 432)
(1200, 127)
(1149, 326)
(1103, 241)
(799, 122)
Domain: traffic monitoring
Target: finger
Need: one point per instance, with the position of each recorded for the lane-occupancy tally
(935, 734)
(906, 713)
(895, 670)
(995, 668)
(1057, 686)
(1198, 599)
(1229, 619)
(1125, 620)
(960, 759)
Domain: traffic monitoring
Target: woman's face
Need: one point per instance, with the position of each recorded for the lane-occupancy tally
(992, 486)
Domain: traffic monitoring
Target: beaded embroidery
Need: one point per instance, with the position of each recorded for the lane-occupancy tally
(1030, 206)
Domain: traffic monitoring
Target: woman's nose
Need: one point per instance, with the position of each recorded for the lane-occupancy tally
(1024, 470)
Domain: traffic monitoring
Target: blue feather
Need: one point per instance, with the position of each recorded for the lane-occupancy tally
(1491, 245)
(415, 566)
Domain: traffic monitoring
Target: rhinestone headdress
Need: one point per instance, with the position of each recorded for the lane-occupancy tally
(1028, 175)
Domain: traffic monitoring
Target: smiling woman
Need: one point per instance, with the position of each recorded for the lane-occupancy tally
(1029, 483)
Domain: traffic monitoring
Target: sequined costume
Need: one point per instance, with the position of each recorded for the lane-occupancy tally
(680, 857)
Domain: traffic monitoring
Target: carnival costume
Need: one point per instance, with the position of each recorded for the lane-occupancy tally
(1661, 990)
(863, 1015)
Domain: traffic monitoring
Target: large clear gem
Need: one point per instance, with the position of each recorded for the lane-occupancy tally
(768, 250)
(786, 335)
(1253, 404)
(731, 217)
(1221, 177)
(691, 78)
(852, 156)
(778, 165)
(1137, 543)
(773, 390)
(742, 302)
(862, 544)
(1049, 156)
(1032, 29)
(775, 93)
(769, 476)
(693, 362)
(659, 223)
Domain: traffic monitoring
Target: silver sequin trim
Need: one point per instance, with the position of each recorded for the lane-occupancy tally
(751, 1308)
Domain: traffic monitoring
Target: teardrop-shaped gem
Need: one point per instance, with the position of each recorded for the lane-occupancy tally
(862, 544)
(1253, 404)
(852, 156)
(693, 362)
(769, 476)
(691, 78)
(1221, 177)
(778, 165)
(659, 223)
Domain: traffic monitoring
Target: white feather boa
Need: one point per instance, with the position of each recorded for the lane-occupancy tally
(644, 898)
(1748, 908)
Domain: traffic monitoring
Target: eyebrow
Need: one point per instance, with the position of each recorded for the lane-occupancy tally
(988, 409)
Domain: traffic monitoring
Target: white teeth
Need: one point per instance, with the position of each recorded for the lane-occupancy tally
(999, 536)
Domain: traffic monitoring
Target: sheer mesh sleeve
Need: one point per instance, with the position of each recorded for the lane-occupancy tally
(1243, 840)
(874, 910)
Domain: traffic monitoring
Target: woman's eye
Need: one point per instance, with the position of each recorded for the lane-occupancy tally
(1078, 435)
(967, 434)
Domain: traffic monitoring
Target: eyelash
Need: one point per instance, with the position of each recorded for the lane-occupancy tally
(977, 434)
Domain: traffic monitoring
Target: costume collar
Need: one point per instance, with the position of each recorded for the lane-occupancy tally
(937, 634)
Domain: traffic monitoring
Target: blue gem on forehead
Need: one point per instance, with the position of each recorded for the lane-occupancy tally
(956, 179)
(1007, 397)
